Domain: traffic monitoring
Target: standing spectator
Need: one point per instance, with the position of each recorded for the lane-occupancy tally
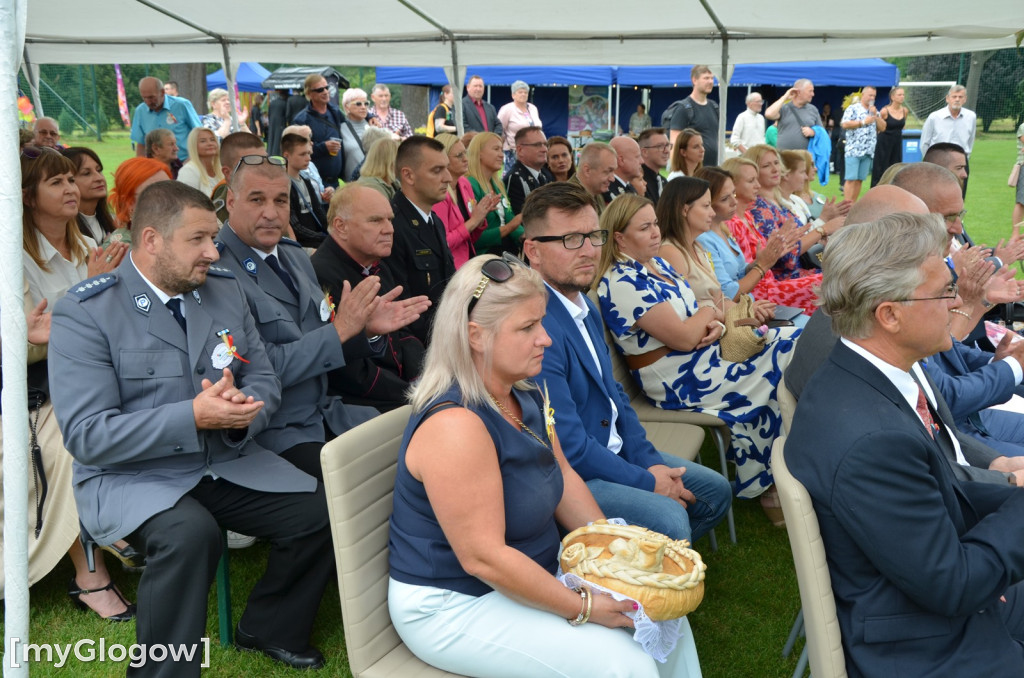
(529, 171)
(356, 106)
(218, 120)
(698, 112)
(387, 117)
(861, 122)
(639, 121)
(277, 120)
(171, 87)
(162, 110)
(161, 144)
(953, 124)
(797, 116)
(440, 119)
(655, 151)
(514, 116)
(202, 171)
(326, 121)
(259, 124)
(560, 162)
(889, 149)
(47, 133)
(296, 104)
(748, 130)
(478, 115)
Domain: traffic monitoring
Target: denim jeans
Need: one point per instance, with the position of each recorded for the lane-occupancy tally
(665, 515)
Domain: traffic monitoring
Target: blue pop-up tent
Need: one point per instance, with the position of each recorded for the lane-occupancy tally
(249, 79)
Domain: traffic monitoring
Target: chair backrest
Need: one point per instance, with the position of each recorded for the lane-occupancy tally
(620, 371)
(787, 405)
(824, 642)
(359, 479)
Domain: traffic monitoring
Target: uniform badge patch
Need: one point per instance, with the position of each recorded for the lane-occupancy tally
(142, 302)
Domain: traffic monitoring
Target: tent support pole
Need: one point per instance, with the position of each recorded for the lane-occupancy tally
(723, 77)
(33, 84)
(229, 80)
(13, 22)
(456, 90)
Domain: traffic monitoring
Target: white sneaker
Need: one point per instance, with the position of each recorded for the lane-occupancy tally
(239, 541)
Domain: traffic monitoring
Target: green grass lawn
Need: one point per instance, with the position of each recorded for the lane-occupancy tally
(751, 595)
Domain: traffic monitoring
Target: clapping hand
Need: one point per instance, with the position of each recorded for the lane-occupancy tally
(222, 405)
(391, 315)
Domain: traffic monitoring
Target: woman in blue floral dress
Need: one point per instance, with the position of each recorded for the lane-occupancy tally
(672, 344)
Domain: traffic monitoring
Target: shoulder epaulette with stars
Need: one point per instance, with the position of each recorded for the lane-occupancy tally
(221, 272)
(93, 286)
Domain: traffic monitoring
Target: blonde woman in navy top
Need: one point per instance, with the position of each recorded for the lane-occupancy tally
(481, 488)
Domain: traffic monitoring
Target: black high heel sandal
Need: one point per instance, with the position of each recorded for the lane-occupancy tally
(75, 594)
(130, 558)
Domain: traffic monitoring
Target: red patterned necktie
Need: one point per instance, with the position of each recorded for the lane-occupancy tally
(925, 413)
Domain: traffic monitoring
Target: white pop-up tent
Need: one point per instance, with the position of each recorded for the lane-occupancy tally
(408, 33)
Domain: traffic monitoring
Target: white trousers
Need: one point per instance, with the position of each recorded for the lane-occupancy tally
(493, 636)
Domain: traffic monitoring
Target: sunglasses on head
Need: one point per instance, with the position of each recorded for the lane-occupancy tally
(259, 160)
(498, 270)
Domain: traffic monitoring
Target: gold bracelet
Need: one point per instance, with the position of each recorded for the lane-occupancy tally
(581, 618)
(959, 312)
(590, 602)
(758, 267)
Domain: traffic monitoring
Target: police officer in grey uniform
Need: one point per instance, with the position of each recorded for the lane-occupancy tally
(304, 335)
(164, 383)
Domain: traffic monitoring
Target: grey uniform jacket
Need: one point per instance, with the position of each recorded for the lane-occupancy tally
(124, 377)
(300, 341)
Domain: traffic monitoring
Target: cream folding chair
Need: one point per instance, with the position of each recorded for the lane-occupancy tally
(359, 478)
(824, 643)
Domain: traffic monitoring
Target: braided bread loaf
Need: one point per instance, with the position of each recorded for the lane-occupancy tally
(665, 576)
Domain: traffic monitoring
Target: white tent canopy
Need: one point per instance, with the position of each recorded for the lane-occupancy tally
(420, 32)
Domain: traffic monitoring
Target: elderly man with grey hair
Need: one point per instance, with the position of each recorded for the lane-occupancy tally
(383, 115)
(514, 116)
(953, 124)
(47, 132)
(748, 130)
(925, 568)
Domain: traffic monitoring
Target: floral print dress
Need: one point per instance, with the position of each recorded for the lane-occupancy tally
(742, 394)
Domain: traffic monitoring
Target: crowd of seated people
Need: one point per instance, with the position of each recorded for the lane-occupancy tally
(402, 286)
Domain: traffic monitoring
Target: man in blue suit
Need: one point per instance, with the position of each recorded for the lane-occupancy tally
(599, 431)
(925, 568)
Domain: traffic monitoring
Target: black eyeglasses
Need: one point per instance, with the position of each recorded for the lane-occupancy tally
(320, 89)
(660, 147)
(536, 145)
(498, 270)
(574, 241)
(359, 103)
(259, 160)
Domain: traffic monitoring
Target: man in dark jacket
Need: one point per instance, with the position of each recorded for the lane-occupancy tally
(326, 122)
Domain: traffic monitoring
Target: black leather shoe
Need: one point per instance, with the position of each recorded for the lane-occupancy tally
(310, 658)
